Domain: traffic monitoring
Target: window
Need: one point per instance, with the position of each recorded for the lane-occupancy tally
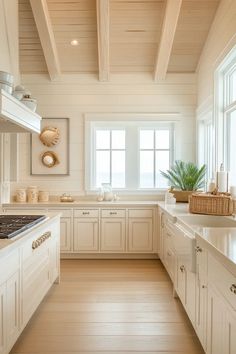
(206, 145)
(226, 114)
(128, 154)
(154, 156)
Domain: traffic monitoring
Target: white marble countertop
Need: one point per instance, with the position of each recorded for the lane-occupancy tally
(81, 203)
(219, 240)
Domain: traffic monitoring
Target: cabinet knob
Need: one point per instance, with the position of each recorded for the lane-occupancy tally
(198, 249)
(233, 288)
(182, 268)
(204, 286)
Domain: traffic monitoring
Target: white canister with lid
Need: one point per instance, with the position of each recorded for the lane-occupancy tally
(21, 195)
(43, 196)
(32, 194)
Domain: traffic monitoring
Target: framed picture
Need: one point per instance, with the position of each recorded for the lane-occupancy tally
(50, 148)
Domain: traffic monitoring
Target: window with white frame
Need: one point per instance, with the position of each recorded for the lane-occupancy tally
(226, 114)
(128, 154)
(206, 145)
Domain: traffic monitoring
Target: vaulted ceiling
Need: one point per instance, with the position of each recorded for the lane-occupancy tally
(156, 36)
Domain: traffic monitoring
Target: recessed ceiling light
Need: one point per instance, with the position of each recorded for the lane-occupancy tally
(74, 42)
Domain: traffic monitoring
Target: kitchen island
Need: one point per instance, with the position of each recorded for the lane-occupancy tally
(29, 266)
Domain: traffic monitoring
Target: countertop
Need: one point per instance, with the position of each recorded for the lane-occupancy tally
(83, 203)
(221, 241)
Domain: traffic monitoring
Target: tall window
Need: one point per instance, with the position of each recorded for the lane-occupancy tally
(226, 123)
(129, 155)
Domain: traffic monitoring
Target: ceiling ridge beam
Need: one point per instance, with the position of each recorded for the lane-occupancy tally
(103, 20)
(167, 38)
(46, 35)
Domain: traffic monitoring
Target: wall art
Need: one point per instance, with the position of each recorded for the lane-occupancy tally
(50, 148)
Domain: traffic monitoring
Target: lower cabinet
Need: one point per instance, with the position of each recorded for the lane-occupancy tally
(85, 235)
(112, 234)
(3, 321)
(140, 230)
(186, 288)
(13, 308)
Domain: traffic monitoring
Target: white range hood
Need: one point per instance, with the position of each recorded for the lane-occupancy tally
(15, 117)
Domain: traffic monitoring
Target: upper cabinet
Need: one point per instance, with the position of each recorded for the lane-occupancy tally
(16, 117)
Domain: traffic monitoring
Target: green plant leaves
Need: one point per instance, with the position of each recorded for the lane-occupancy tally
(185, 176)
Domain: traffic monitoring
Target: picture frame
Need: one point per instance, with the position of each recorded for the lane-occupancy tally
(50, 149)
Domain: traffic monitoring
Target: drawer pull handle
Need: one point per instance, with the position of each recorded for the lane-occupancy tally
(40, 240)
(182, 268)
(198, 249)
(233, 288)
(113, 213)
(204, 286)
(169, 254)
(86, 213)
(168, 234)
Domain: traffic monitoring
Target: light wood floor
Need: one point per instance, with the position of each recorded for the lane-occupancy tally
(110, 306)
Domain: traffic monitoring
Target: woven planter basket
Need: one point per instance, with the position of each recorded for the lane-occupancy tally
(181, 196)
(209, 204)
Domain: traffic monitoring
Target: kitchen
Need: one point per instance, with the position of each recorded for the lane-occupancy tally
(119, 66)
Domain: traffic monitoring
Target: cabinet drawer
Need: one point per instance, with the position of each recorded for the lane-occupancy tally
(223, 280)
(86, 213)
(64, 212)
(140, 213)
(113, 213)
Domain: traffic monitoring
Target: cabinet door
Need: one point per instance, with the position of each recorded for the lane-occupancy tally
(181, 278)
(3, 318)
(169, 258)
(230, 333)
(66, 234)
(140, 235)
(86, 234)
(215, 323)
(190, 299)
(201, 297)
(113, 235)
(13, 309)
(161, 232)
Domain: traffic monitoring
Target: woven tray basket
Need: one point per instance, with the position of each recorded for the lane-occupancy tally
(203, 203)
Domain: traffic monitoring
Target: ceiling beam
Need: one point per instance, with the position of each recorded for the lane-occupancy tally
(46, 35)
(167, 38)
(103, 39)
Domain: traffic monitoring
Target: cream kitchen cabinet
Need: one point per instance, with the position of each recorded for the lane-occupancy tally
(169, 255)
(221, 309)
(113, 230)
(140, 231)
(9, 300)
(86, 230)
(66, 224)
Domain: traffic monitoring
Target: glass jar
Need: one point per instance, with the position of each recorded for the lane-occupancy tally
(107, 192)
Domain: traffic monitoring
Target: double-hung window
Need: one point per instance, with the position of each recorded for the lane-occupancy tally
(128, 154)
(226, 114)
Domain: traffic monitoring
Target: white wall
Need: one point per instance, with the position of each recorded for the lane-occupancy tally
(9, 53)
(221, 38)
(73, 96)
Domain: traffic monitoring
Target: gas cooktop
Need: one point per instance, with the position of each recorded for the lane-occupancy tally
(12, 225)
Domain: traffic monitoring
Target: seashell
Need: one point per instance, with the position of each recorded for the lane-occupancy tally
(49, 136)
(50, 159)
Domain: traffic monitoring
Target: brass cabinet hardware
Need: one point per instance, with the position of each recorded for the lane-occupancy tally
(40, 240)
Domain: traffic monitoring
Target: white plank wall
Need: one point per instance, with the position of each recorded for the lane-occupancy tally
(75, 95)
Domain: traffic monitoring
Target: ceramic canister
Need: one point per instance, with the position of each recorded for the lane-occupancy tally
(43, 196)
(32, 194)
(21, 195)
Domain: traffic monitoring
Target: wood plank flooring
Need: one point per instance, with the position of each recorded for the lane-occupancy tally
(110, 307)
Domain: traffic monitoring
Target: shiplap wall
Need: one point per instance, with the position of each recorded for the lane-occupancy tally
(221, 38)
(73, 96)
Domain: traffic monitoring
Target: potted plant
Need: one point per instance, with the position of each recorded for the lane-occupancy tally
(184, 178)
